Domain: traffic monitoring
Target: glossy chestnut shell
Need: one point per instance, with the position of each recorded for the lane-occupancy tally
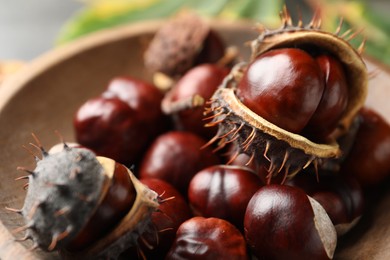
(176, 157)
(122, 121)
(368, 160)
(273, 87)
(223, 191)
(341, 196)
(185, 102)
(173, 210)
(282, 222)
(287, 152)
(208, 238)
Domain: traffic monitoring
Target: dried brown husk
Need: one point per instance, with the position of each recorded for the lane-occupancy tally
(176, 45)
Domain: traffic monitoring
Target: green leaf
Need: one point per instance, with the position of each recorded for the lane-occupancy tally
(207, 7)
(263, 11)
(91, 18)
(87, 21)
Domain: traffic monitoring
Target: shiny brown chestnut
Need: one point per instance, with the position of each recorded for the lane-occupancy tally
(368, 160)
(172, 212)
(176, 157)
(115, 205)
(283, 86)
(122, 121)
(264, 105)
(282, 222)
(333, 102)
(223, 191)
(185, 102)
(208, 239)
(341, 196)
(95, 128)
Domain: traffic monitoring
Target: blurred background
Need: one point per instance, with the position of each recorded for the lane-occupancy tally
(30, 28)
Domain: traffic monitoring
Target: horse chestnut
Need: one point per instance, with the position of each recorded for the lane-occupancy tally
(84, 205)
(208, 239)
(116, 204)
(223, 191)
(173, 210)
(284, 86)
(100, 124)
(273, 86)
(341, 196)
(176, 157)
(368, 160)
(264, 105)
(185, 102)
(333, 102)
(282, 222)
(122, 121)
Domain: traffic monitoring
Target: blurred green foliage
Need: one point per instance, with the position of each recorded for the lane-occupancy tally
(363, 16)
(99, 14)
(357, 14)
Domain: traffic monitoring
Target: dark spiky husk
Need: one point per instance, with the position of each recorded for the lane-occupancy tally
(287, 153)
(63, 192)
(127, 231)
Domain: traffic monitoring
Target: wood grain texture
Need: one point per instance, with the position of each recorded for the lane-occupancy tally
(44, 95)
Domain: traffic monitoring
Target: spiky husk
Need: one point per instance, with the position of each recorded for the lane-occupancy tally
(64, 189)
(296, 36)
(127, 231)
(287, 153)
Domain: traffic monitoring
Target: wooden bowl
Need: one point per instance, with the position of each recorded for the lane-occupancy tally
(44, 96)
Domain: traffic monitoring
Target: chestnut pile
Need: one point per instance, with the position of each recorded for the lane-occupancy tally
(265, 159)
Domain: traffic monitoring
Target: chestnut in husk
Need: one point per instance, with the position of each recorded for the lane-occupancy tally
(185, 102)
(296, 77)
(83, 205)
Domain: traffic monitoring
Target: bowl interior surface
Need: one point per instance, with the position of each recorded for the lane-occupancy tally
(44, 96)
